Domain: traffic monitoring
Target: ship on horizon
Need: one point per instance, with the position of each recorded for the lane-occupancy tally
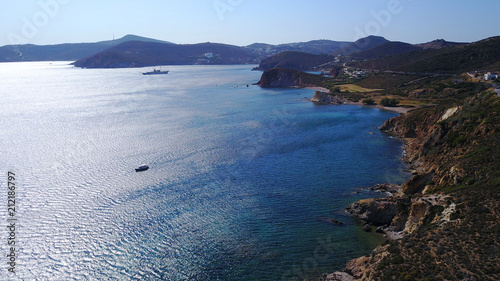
(155, 71)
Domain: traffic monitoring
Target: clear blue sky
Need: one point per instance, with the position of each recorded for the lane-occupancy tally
(242, 22)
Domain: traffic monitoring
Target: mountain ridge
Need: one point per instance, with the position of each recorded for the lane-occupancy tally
(483, 54)
(141, 54)
(64, 51)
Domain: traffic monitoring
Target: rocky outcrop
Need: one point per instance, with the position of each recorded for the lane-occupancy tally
(417, 183)
(339, 276)
(327, 98)
(284, 77)
(374, 211)
(362, 268)
(277, 77)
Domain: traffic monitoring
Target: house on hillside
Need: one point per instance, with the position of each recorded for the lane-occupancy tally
(490, 76)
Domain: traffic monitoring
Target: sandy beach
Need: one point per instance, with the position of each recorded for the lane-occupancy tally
(319, 89)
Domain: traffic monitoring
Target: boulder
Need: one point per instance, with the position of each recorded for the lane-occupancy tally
(367, 228)
(374, 211)
(339, 276)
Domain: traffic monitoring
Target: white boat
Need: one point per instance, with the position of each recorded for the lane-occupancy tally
(141, 168)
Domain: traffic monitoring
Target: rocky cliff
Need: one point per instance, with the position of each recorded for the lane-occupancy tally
(284, 77)
(444, 221)
(280, 78)
(327, 98)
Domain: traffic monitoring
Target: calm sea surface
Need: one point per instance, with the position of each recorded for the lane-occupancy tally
(241, 185)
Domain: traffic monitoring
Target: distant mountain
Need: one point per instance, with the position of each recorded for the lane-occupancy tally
(313, 47)
(385, 49)
(131, 37)
(438, 44)
(62, 52)
(140, 54)
(294, 60)
(360, 45)
(484, 54)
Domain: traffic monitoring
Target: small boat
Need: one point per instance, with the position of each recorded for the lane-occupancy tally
(155, 71)
(141, 168)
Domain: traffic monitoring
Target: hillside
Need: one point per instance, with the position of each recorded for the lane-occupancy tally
(294, 60)
(62, 52)
(140, 54)
(438, 44)
(283, 77)
(360, 45)
(385, 49)
(317, 47)
(480, 55)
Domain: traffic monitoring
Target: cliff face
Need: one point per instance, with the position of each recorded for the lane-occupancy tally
(445, 219)
(280, 78)
(284, 77)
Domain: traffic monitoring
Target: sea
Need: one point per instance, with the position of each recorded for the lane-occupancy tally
(243, 180)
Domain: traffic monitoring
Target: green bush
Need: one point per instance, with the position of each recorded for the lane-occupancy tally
(368, 101)
(389, 102)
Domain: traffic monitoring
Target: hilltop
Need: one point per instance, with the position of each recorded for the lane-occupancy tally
(360, 45)
(369, 48)
(316, 47)
(385, 49)
(438, 44)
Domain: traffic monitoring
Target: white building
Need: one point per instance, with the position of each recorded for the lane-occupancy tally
(489, 76)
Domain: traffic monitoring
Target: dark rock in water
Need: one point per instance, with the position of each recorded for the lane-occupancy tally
(387, 187)
(334, 221)
(380, 229)
(339, 276)
(367, 228)
(374, 211)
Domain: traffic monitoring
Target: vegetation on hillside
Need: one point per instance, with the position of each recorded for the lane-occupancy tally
(480, 55)
(140, 54)
(295, 60)
(468, 246)
(386, 49)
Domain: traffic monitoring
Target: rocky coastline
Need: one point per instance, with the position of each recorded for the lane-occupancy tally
(450, 199)
(420, 207)
(323, 97)
(397, 215)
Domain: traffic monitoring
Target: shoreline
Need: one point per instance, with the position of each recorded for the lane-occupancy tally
(397, 109)
(321, 89)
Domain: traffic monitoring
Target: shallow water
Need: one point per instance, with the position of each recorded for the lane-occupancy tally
(241, 184)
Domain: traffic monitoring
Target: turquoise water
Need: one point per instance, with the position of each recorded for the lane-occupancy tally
(241, 184)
